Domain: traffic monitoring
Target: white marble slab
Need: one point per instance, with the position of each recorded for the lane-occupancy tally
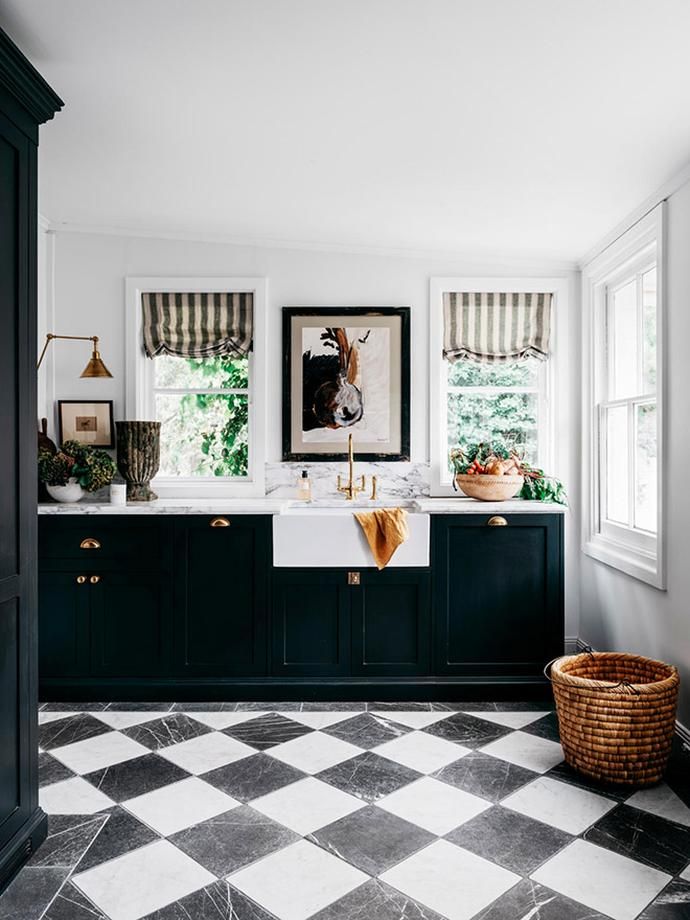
(465, 505)
(169, 506)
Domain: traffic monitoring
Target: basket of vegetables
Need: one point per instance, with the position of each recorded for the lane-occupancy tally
(496, 472)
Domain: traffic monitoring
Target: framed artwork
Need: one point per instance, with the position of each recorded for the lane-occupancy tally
(346, 370)
(87, 422)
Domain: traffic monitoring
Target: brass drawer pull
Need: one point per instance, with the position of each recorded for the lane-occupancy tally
(90, 543)
(81, 579)
(220, 522)
(354, 578)
(95, 579)
(497, 521)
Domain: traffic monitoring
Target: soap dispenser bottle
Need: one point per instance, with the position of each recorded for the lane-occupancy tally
(304, 487)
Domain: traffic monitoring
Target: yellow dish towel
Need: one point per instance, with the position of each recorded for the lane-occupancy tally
(385, 529)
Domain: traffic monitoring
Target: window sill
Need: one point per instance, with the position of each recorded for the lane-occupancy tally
(642, 566)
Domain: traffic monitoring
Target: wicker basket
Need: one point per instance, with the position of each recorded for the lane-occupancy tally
(616, 715)
(489, 488)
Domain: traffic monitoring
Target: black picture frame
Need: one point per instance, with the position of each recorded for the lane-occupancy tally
(403, 313)
(65, 435)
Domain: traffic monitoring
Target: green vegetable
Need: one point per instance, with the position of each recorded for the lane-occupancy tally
(537, 486)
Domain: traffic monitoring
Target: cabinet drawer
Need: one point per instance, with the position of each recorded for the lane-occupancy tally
(136, 541)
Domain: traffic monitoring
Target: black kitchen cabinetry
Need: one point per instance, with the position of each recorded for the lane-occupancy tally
(26, 101)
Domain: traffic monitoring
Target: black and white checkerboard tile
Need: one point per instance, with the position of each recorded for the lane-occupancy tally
(342, 812)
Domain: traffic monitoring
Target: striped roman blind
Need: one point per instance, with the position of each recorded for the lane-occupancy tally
(197, 325)
(496, 328)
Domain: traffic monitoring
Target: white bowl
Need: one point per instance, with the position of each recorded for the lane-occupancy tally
(72, 492)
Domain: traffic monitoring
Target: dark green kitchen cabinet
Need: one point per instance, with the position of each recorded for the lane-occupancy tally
(63, 624)
(391, 623)
(311, 623)
(221, 595)
(497, 593)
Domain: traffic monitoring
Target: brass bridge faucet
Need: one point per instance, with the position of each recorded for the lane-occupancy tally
(351, 489)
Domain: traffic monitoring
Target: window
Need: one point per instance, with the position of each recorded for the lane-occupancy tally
(212, 437)
(472, 401)
(623, 427)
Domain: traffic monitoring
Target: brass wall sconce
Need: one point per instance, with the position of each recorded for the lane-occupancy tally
(95, 367)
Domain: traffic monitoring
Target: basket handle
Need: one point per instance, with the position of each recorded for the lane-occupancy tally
(624, 684)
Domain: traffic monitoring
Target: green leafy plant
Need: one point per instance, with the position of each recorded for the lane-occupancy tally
(92, 467)
(477, 459)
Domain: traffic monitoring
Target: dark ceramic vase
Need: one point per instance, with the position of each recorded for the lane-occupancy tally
(138, 457)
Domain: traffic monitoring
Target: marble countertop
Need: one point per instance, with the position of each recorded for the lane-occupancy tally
(269, 505)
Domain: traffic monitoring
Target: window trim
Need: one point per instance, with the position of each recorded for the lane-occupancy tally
(635, 553)
(139, 391)
(549, 396)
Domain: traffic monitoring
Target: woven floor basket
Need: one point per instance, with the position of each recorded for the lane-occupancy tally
(616, 715)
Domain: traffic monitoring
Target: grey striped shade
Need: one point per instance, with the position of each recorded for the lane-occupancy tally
(496, 328)
(197, 325)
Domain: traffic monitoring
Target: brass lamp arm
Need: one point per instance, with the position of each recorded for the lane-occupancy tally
(80, 338)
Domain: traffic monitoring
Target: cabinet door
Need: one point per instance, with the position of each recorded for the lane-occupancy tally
(311, 622)
(221, 596)
(391, 623)
(128, 623)
(498, 595)
(63, 624)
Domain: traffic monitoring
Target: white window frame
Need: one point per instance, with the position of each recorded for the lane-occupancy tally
(441, 480)
(631, 550)
(139, 401)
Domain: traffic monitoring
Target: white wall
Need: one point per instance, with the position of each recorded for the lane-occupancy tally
(619, 612)
(88, 298)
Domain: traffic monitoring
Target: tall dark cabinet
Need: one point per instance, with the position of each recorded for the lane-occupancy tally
(26, 101)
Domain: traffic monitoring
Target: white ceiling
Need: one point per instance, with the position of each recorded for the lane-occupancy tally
(521, 127)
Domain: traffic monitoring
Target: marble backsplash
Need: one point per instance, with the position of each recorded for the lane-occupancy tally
(395, 479)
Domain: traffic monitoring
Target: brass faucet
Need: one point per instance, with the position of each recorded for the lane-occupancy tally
(350, 489)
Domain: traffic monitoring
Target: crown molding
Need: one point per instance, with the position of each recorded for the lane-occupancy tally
(661, 194)
(504, 260)
(25, 83)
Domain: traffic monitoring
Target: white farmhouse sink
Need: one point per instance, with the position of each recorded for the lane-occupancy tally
(330, 537)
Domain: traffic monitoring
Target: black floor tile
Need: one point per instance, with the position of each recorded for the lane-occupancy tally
(75, 707)
(366, 730)
(400, 707)
(546, 727)
(530, 901)
(509, 839)
(470, 731)
(204, 707)
(31, 892)
(219, 901)
(136, 777)
(233, 839)
(672, 904)
(51, 770)
(661, 844)
(161, 733)
(258, 706)
(368, 776)
(372, 839)
(567, 774)
(69, 836)
(252, 777)
(121, 833)
(485, 776)
(463, 706)
(140, 707)
(375, 901)
(342, 706)
(267, 731)
(70, 904)
(70, 730)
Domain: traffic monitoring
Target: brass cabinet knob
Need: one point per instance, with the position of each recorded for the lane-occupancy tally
(497, 521)
(95, 579)
(81, 579)
(220, 522)
(90, 543)
(354, 578)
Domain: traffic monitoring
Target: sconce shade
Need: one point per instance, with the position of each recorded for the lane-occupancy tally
(95, 367)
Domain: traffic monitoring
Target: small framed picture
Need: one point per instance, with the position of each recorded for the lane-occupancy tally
(87, 422)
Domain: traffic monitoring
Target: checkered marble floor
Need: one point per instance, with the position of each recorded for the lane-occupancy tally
(377, 811)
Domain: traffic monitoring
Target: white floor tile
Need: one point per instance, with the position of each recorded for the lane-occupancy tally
(206, 752)
(413, 719)
(142, 881)
(509, 719)
(117, 719)
(526, 750)
(605, 881)
(561, 805)
(102, 751)
(421, 751)
(435, 806)
(307, 805)
(320, 719)
(661, 800)
(685, 874)
(45, 717)
(221, 720)
(298, 881)
(314, 752)
(73, 797)
(180, 805)
(450, 880)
